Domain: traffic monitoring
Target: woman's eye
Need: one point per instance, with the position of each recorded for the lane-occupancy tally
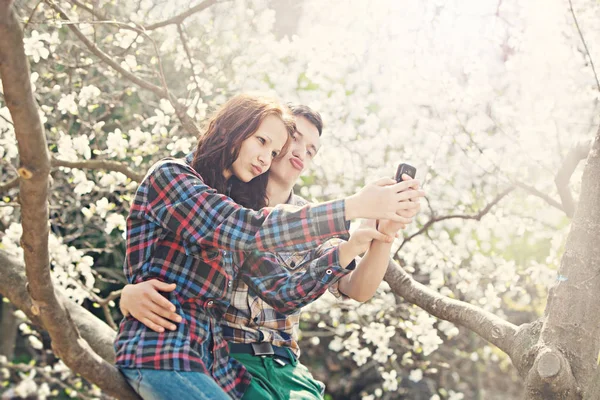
(261, 140)
(310, 154)
(295, 137)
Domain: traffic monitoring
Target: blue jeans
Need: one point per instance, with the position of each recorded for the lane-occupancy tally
(154, 384)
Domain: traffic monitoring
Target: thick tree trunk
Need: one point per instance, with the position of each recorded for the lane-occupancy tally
(567, 352)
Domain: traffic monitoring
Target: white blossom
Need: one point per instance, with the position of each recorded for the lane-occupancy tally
(35, 47)
(67, 104)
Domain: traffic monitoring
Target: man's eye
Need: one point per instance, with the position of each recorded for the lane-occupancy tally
(274, 154)
(310, 153)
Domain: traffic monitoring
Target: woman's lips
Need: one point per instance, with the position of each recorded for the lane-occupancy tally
(297, 163)
(257, 170)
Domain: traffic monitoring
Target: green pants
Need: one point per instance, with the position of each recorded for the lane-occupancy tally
(272, 381)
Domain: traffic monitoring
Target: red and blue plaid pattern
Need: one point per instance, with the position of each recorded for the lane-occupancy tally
(179, 230)
(250, 319)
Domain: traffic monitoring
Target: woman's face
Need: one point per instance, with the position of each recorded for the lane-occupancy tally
(258, 151)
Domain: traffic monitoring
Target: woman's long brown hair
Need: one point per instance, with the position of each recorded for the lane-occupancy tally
(219, 146)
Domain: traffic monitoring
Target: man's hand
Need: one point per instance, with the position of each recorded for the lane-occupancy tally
(392, 227)
(143, 302)
(360, 240)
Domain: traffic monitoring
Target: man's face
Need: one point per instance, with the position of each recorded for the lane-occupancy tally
(300, 155)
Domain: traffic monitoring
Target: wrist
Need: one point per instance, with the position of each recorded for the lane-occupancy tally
(350, 207)
(347, 253)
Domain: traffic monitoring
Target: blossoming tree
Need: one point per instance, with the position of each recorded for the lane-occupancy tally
(496, 103)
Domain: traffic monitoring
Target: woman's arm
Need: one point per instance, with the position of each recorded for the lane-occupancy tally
(175, 197)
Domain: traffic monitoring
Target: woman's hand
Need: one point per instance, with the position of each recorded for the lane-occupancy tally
(360, 240)
(143, 302)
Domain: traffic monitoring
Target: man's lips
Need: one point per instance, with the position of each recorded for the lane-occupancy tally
(257, 170)
(297, 163)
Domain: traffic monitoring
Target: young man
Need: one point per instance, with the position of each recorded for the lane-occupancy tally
(262, 339)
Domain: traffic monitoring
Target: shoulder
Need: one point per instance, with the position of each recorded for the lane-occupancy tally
(298, 200)
(167, 168)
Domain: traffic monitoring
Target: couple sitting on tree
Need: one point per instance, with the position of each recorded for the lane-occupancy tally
(222, 256)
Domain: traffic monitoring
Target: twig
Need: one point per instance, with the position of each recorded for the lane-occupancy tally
(188, 54)
(6, 119)
(434, 219)
(31, 15)
(584, 44)
(181, 111)
(88, 9)
(178, 19)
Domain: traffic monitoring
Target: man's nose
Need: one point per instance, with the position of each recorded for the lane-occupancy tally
(299, 152)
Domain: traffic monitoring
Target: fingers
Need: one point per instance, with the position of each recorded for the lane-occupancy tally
(403, 220)
(385, 182)
(160, 301)
(414, 195)
(403, 185)
(162, 286)
(156, 323)
(161, 312)
(410, 213)
(382, 237)
(407, 205)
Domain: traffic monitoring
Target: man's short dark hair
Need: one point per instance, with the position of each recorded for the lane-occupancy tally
(311, 115)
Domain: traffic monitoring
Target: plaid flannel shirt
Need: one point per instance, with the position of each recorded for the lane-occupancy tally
(181, 231)
(249, 319)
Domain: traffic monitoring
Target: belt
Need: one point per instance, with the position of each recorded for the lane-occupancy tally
(262, 349)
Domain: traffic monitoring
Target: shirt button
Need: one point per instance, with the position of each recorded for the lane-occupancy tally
(329, 272)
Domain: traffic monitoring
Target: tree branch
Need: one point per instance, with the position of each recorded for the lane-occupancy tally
(584, 44)
(541, 195)
(100, 164)
(188, 124)
(34, 173)
(95, 13)
(574, 156)
(495, 330)
(178, 19)
(434, 219)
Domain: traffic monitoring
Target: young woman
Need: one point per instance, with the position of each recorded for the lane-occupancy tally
(183, 229)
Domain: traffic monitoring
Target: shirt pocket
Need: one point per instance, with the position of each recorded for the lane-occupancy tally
(292, 261)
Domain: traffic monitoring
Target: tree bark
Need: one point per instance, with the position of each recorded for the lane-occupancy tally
(570, 337)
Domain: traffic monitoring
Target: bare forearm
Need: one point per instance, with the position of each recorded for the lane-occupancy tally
(362, 283)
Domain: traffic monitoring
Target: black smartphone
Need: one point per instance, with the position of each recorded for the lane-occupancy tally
(405, 169)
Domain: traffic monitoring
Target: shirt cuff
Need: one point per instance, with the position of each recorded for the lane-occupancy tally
(335, 288)
(330, 219)
(333, 272)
